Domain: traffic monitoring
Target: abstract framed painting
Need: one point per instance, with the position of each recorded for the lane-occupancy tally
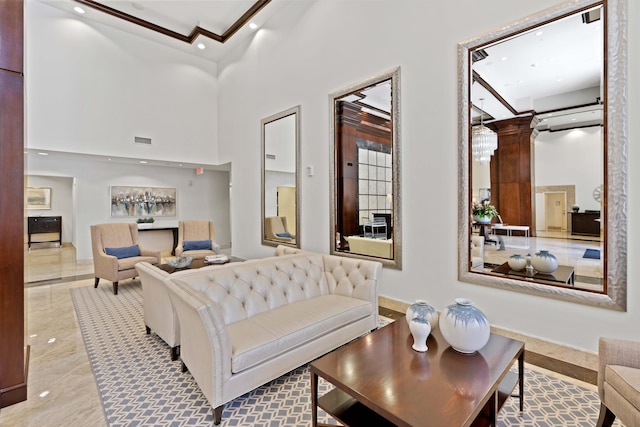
(38, 198)
(138, 201)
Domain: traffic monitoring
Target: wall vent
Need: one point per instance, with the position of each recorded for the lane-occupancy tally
(271, 156)
(141, 140)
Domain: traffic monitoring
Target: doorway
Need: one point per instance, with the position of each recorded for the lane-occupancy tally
(555, 208)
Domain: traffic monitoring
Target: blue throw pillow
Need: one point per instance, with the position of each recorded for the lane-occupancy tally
(285, 234)
(196, 245)
(126, 252)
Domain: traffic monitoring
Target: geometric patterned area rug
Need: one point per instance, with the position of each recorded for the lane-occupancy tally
(139, 385)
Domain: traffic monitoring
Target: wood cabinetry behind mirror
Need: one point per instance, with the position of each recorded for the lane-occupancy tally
(365, 170)
(550, 89)
(281, 178)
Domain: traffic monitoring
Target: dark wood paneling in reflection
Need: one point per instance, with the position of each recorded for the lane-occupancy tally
(11, 39)
(13, 383)
(351, 125)
(511, 172)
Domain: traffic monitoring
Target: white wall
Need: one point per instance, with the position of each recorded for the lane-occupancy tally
(572, 157)
(203, 196)
(92, 88)
(61, 201)
(313, 48)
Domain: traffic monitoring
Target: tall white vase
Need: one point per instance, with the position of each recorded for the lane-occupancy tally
(465, 327)
(420, 330)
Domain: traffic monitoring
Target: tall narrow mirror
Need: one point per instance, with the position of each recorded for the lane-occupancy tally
(365, 172)
(281, 178)
(542, 155)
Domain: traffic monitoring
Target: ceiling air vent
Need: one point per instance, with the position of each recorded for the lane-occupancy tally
(271, 156)
(141, 140)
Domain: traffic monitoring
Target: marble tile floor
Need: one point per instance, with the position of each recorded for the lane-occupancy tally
(61, 387)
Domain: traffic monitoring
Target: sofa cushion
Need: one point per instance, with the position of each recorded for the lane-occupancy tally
(277, 331)
(285, 234)
(626, 381)
(196, 245)
(124, 252)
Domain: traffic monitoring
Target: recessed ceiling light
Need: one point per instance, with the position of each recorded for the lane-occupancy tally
(504, 58)
(44, 393)
(539, 33)
(79, 10)
(144, 162)
(43, 154)
(253, 25)
(201, 46)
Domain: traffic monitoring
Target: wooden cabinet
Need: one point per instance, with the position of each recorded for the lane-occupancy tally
(45, 225)
(585, 223)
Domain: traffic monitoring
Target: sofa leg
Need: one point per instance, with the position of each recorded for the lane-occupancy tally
(606, 417)
(148, 329)
(115, 288)
(174, 353)
(217, 415)
(184, 367)
(96, 284)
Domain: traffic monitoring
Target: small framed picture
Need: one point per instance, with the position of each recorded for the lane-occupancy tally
(38, 198)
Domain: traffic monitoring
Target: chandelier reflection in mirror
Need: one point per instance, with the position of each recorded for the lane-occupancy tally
(484, 141)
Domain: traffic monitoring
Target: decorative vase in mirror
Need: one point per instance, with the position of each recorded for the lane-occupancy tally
(517, 262)
(422, 309)
(420, 329)
(545, 262)
(464, 326)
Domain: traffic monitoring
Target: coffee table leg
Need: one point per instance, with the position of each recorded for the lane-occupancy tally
(521, 379)
(314, 399)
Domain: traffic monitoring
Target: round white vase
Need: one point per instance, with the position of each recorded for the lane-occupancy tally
(464, 326)
(422, 309)
(420, 330)
(544, 262)
(517, 262)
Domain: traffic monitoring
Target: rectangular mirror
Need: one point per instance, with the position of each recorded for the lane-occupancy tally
(542, 155)
(281, 178)
(365, 170)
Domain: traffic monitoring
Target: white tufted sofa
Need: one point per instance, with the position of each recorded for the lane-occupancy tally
(245, 324)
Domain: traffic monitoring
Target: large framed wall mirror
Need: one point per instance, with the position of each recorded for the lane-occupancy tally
(365, 170)
(542, 153)
(281, 178)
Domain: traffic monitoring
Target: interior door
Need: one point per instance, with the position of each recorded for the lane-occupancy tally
(555, 211)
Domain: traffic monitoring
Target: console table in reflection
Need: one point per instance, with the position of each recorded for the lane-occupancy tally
(44, 225)
(563, 274)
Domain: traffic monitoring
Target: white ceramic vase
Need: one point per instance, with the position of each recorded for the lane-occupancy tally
(464, 326)
(517, 262)
(420, 330)
(422, 309)
(544, 262)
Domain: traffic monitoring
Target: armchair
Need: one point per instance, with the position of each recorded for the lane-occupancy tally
(122, 240)
(275, 225)
(194, 233)
(619, 382)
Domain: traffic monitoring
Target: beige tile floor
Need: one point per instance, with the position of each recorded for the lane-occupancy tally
(61, 387)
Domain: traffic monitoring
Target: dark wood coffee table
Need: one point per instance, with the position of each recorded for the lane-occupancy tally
(381, 381)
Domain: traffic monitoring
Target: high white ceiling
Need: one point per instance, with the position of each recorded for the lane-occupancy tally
(553, 67)
(179, 16)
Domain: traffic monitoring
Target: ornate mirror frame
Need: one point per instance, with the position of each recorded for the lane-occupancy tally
(295, 135)
(396, 234)
(615, 158)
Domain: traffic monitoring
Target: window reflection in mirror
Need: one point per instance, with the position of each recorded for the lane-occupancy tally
(280, 178)
(365, 144)
(543, 139)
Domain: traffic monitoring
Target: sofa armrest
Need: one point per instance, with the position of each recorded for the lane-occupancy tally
(613, 351)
